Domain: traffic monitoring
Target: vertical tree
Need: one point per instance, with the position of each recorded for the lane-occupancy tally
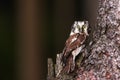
(104, 59)
(103, 55)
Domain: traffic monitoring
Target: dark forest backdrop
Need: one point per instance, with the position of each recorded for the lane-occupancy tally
(33, 30)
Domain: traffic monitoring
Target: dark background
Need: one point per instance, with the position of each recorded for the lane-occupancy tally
(33, 30)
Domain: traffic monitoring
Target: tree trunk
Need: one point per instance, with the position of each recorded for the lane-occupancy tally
(104, 60)
(103, 55)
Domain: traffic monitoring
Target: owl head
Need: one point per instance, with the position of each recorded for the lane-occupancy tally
(79, 27)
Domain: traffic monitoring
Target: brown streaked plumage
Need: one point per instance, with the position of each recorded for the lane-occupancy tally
(74, 45)
(73, 42)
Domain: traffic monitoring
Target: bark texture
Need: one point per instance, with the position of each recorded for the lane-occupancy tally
(103, 55)
(104, 60)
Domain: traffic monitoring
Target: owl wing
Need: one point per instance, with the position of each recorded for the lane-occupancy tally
(69, 41)
(67, 50)
(72, 43)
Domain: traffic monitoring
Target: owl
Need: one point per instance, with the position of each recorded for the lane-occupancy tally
(74, 45)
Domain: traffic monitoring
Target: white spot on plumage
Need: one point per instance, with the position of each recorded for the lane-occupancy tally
(73, 40)
(77, 51)
(72, 33)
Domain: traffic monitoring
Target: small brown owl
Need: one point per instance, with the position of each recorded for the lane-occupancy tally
(74, 45)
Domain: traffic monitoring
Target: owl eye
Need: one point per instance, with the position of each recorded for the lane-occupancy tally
(83, 27)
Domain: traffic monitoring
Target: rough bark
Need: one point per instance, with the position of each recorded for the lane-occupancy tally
(103, 55)
(104, 60)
